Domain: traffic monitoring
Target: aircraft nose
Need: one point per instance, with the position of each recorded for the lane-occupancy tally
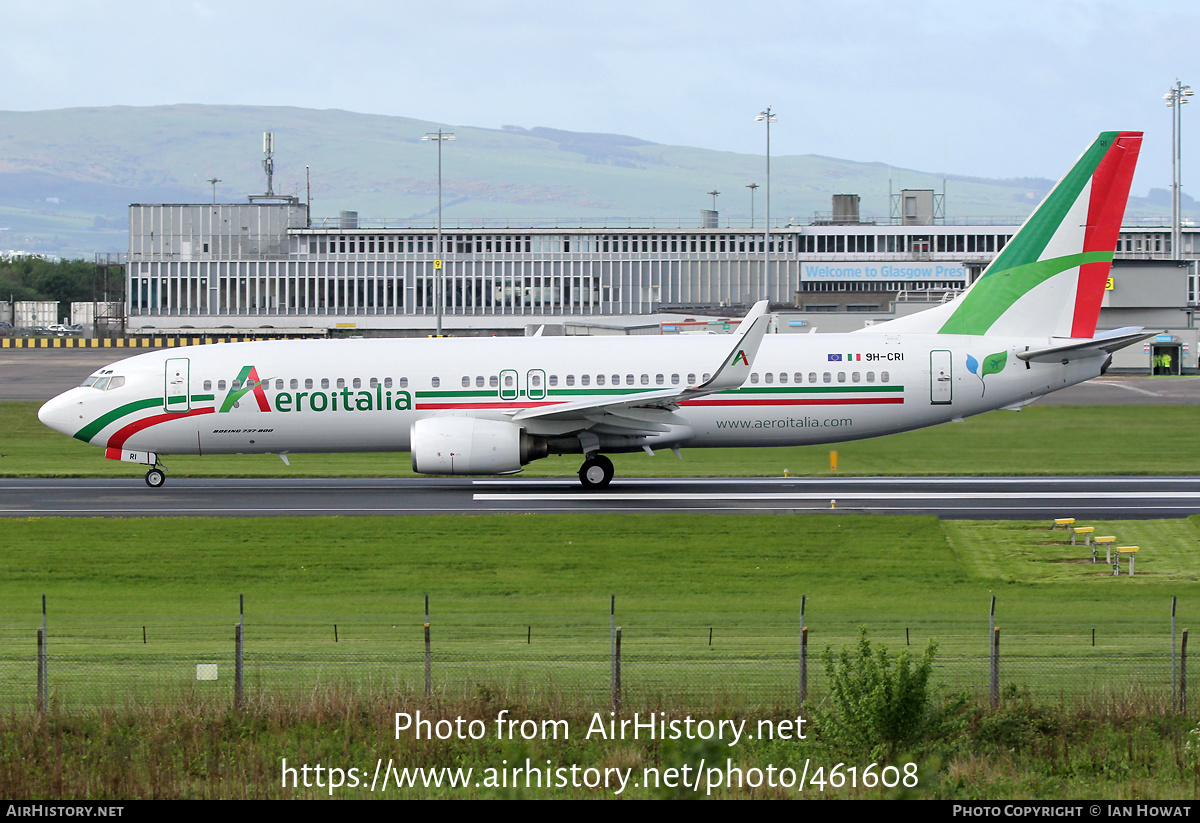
(62, 413)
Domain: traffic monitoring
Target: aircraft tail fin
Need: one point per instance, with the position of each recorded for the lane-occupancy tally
(1049, 280)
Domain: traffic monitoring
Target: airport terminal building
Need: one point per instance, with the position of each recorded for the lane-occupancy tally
(265, 266)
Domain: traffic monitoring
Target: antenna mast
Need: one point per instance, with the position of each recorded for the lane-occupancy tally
(268, 161)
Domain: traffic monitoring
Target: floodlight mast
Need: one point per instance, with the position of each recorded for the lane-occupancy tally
(1175, 98)
(768, 117)
(441, 137)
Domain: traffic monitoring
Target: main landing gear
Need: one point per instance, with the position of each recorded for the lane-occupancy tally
(155, 477)
(596, 471)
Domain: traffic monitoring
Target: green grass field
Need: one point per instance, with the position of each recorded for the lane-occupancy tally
(520, 596)
(708, 606)
(1082, 440)
(520, 621)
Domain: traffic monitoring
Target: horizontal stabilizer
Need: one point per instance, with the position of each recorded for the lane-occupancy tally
(1101, 346)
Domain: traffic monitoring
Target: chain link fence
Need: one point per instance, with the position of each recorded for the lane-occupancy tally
(594, 657)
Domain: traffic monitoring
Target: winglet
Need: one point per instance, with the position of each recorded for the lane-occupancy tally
(737, 364)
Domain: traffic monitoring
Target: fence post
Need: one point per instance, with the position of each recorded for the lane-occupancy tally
(237, 666)
(428, 659)
(1183, 674)
(45, 640)
(803, 665)
(1174, 669)
(616, 683)
(41, 671)
(612, 641)
(995, 668)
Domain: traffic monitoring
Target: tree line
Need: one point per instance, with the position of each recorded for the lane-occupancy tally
(67, 281)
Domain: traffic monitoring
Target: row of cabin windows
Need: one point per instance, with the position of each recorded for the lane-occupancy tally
(826, 377)
(312, 383)
(535, 380)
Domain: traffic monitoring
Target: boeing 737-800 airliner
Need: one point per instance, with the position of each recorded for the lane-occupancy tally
(1025, 328)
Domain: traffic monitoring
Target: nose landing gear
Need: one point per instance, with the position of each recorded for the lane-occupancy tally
(596, 471)
(155, 477)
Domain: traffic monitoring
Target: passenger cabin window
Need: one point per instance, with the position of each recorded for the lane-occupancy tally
(293, 383)
(435, 382)
(207, 385)
(404, 382)
(356, 383)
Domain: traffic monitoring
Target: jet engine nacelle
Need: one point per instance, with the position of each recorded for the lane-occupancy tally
(470, 445)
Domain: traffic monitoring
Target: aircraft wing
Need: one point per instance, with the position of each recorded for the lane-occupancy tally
(649, 413)
(1103, 344)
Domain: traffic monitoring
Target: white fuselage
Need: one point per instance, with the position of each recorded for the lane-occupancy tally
(365, 395)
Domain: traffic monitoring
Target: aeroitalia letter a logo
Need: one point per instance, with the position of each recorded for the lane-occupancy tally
(248, 378)
(741, 355)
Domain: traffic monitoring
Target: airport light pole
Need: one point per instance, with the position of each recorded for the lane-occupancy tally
(752, 187)
(1176, 97)
(441, 137)
(768, 117)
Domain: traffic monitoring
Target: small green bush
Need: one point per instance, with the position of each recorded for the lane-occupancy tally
(881, 706)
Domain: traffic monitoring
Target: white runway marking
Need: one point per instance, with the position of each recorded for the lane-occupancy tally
(1127, 387)
(845, 495)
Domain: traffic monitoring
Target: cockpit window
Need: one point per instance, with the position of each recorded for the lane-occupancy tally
(101, 383)
(116, 383)
(88, 382)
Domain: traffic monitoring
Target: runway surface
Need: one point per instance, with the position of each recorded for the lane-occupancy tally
(1024, 498)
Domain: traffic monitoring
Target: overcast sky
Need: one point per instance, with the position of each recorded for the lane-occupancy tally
(1004, 89)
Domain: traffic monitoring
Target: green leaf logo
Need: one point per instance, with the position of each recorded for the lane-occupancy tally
(994, 363)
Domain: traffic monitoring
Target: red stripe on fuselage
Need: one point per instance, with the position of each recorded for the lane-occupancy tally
(1106, 209)
(118, 440)
(847, 401)
(512, 404)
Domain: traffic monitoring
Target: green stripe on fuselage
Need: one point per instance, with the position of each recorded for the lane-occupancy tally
(92, 429)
